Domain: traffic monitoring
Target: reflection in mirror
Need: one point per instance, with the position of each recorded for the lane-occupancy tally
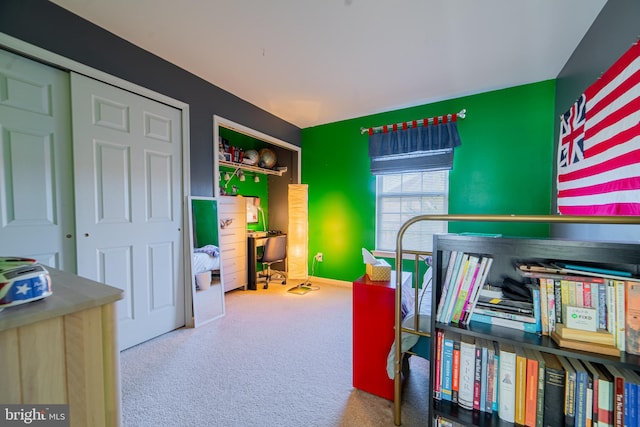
(206, 282)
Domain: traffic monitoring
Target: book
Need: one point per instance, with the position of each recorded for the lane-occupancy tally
(483, 279)
(544, 315)
(557, 289)
(437, 378)
(504, 304)
(632, 404)
(611, 309)
(601, 336)
(536, 354)
(496, 377)
(581, 394)
(484, 370)
(455, 374)
(505, 323)
(452, 296)
(579, 294)
(605, 396)
(446, 284)
(569, 392)
(521, 386)
(594, 271)
(531, 385)
(471, 272)
(602, 306)
(491, 291)
(585, 346)
(507, 379)
(447, 366)
(554, 391)
(537, 310)
(505, 315)
(620, 287)
(467, 371)
(594, 378)
(632, 318)
(491, 376)
(551, 304)
(618, 395)
(477, 375)
(473, 289)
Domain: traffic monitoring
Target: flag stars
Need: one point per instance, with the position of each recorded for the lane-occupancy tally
(23, 289)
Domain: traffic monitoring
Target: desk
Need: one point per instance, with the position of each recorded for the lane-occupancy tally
(255, 240)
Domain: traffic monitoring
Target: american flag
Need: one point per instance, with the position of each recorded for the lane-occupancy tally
(599, 144)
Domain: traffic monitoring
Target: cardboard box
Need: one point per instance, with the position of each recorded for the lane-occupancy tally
(380, 271)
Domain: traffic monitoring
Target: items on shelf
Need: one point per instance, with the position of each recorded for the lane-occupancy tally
(548, 342)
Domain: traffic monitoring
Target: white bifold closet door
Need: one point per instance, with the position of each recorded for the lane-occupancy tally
(36, 177)
(128, 179)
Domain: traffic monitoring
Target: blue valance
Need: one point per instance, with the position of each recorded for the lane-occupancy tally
(414, 149)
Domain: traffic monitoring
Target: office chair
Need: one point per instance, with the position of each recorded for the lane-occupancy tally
(275, 250)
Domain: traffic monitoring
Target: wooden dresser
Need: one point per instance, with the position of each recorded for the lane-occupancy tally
(63, 350)
(232, 213)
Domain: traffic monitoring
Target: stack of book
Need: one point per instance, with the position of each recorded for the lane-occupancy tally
(509, 313)
(531, 388)
(613, 296)
(466, 274)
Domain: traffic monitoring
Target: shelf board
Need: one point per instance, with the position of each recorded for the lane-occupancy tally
(250, 168)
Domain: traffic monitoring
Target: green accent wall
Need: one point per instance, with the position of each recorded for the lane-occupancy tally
(504, 166)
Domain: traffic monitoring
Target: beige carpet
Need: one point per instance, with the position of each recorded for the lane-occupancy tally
(275, 359)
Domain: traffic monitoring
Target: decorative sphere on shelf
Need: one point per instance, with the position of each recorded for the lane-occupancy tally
(251, 157)
(267, 159)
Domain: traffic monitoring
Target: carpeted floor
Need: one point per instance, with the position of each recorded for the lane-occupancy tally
(275, 359)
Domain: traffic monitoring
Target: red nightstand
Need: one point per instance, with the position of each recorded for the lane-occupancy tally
(373, 332)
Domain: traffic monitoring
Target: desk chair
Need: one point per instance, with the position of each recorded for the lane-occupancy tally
(275, 250)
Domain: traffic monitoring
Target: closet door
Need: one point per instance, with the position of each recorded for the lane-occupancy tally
(36, 197)
(127, 164)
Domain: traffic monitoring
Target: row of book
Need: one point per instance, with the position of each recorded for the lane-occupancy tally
(615, 304)
(466, 274)
(533, 388)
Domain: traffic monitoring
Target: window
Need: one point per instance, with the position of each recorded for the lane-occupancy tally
(400, 197)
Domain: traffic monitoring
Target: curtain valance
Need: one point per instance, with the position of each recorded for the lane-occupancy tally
(414, 149)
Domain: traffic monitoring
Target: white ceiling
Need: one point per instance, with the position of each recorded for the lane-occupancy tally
(313, 62)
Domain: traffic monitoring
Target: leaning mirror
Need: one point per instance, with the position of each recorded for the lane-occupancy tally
(206, 280)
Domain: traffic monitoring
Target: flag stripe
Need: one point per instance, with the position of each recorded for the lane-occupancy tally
(609, 176)
(613, 118)
(617, 185)
(627, 196)
(620, 138)
(630, 57)
(614, 94)
(617, 162)
(606, 209)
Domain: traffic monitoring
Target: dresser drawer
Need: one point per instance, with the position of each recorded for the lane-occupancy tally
(232, 236)
(234, 250)
(233, 273)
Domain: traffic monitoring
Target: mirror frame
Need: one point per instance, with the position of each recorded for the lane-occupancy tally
(198, 319)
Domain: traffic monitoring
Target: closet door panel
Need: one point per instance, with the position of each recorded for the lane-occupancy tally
(127, 164)
(36, 197)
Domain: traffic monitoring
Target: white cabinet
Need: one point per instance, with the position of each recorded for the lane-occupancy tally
(232, 213)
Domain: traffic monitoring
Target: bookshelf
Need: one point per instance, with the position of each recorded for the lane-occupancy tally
(506, 253)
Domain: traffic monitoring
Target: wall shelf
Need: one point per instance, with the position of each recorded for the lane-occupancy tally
(245, 167)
